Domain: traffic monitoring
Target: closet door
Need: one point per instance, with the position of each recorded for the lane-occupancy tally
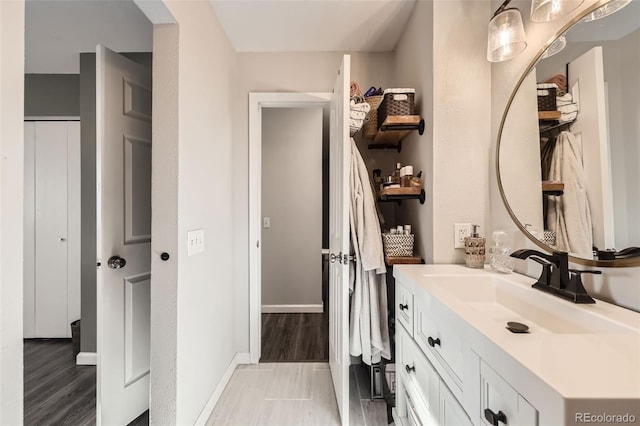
(52, 297)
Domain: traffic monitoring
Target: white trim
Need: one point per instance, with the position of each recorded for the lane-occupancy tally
(239, 358)
(291, 309)
(257, 101)
(87, 358)
(51, 118)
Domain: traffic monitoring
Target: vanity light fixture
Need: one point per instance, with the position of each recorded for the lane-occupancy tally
(506, 34)
(555, 47)
(548, 10)
(606, 10)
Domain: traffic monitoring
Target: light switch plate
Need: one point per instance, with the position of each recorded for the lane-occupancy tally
(266, 222)
(195, 242)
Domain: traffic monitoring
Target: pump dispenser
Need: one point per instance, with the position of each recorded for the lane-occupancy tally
(474, 247)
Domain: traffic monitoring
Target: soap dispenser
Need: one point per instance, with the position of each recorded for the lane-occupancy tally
(474, 247)
(499, 258)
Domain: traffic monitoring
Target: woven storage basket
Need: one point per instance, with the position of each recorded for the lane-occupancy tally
(396, 102)
(397, 245)
(370, 127)
(548, 102)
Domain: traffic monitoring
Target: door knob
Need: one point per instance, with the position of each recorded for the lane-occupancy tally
(116, 262)
(62, 239)
(333, 257)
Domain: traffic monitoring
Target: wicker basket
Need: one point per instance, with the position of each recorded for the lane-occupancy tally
(547, 102)
(397, 245)
(396, 102)
(370, 127)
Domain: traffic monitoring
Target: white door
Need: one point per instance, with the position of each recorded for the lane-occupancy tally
(339, 162)
(123, 114)
(586, 82)
(52, 228)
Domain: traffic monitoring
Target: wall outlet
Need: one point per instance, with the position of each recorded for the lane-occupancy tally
(461, 230)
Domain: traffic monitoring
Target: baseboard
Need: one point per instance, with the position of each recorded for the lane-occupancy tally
(291, 309)
(239, 358)
(87, 358)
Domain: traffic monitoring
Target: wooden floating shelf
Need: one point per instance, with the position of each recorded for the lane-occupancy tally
(552, 188)
(549, 115)
(404, 260)
(394, 129)
(399, 194)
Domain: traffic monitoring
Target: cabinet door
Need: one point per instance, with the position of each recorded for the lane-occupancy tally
(419, 372)
(500, 403)
(404, 307)
(434, 333)
(451, 412)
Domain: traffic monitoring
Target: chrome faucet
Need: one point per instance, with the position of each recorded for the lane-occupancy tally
(556, 277)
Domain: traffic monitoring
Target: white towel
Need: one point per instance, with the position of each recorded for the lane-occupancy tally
(358, 115)
(368, 328)
(362, 106)
(564, 99)
(569, 214)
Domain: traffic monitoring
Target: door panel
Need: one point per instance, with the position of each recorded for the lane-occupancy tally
(340, 159)
(123, 229)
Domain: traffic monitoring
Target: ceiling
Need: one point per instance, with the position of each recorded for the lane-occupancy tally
(57, 30)
(313, 25)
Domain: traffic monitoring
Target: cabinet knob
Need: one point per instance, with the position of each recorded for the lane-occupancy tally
(494, 418)
(410, 369)
(433, 342)
(403, 307)
(164, 256)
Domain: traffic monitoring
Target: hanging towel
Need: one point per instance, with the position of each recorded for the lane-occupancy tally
(368, 328)
(569, 214)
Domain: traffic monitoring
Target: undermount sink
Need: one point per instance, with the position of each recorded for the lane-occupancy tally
(502, 300)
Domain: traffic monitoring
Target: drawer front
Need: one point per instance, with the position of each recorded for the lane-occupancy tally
(500, 403)
(451, 412)
(404, 307)
(420, 374)
(436, 337)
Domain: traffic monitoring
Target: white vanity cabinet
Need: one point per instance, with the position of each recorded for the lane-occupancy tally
(457, 364)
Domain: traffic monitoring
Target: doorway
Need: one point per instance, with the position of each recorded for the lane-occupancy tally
(59, 383)
(282, 326)
(294, 311)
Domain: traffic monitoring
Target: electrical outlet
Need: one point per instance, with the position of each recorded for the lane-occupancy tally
(195, 242)
(461, 230)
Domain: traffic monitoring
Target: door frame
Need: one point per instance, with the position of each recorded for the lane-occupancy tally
(258, 101)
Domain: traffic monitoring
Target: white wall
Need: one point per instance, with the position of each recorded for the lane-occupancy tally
(205, 291)
(292, 199)
(11, 207)
(619, 285)
(442, 54)
(282, 72)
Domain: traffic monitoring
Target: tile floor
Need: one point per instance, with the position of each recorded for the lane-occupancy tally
(282, 394)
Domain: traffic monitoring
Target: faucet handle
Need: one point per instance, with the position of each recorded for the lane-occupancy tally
(545, 276)
(577, 288)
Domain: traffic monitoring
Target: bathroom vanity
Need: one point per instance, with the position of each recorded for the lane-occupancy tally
(458, 364)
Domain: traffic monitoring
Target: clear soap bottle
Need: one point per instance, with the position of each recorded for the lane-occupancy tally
(499, 253)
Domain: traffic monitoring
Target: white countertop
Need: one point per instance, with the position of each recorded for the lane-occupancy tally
(580, 365)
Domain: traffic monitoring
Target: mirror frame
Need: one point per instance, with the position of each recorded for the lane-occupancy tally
(634, 261)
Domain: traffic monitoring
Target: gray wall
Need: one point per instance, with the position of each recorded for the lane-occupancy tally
(50, 95)
(87, 102)
(292, 198)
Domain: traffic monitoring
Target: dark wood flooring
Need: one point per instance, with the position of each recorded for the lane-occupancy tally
(295, 337)
(56, 390)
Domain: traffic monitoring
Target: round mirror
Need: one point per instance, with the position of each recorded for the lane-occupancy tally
(568, 152)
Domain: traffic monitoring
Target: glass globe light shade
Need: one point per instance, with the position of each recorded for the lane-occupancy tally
(506, 36)
(548, 10)
(606, 10)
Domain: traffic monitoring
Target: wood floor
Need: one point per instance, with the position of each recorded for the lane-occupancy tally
(56, 390)
(295, 337)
